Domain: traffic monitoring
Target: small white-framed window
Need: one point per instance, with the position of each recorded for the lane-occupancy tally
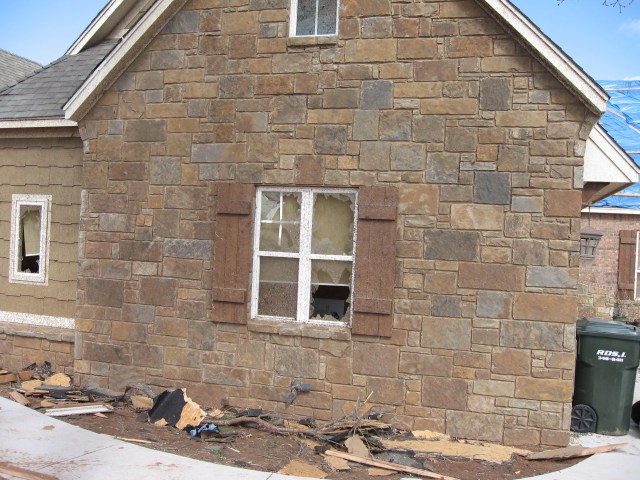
(30, 228)
(304, 250)
(313, 18)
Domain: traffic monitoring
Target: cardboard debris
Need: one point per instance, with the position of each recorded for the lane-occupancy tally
(18, 397)
(572, 452)
(176, 409)
(31, 385)
(301, 469)
(337, 464)
(140, 402)
(8, 378)
(449, 448)
(58, 380)
(355, 446)
(378, 472)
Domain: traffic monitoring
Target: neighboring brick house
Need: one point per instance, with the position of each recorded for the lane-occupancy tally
(388, 212)
(607, 284)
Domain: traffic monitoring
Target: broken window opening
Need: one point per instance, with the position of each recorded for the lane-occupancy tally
(30, 226)
(304, 252)
(314, 17)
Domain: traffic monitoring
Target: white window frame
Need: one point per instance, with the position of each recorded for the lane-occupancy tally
(304, 255)
(293, 20)
(17, 202)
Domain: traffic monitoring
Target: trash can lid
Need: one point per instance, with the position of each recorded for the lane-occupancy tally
(599, 328)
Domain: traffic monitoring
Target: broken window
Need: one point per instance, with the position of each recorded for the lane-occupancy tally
(303, 255)
(30, 224)
(314, 17)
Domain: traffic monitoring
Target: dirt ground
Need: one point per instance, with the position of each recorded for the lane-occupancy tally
(260, 450)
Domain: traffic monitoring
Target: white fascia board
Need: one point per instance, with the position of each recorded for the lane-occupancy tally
(37, 123)
(121, 56)
(551, 53)
(612, 210)
(605, 161)
(104, 22)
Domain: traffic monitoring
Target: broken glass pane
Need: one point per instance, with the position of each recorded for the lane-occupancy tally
(278, 290)
(327, 10)
(29, 238)
(306, 21)
(330, 290)
(332, 231)
(280, 222)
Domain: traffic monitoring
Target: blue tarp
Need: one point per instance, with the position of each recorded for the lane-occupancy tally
(622, 122)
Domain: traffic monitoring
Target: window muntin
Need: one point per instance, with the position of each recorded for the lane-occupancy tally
(314, 17)
(303, 254)
(29, 245)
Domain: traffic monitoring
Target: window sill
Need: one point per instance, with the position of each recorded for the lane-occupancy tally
(312, 40)
(295, 329)
(52, 334)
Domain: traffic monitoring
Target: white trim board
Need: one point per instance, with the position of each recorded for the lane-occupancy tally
(553, 55)
(38, 123)
(37, 320)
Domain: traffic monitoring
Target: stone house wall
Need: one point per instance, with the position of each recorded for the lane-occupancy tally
(433, 98)
(598, 280)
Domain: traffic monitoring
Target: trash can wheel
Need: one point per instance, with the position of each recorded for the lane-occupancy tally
(635, 412)
(583, 419)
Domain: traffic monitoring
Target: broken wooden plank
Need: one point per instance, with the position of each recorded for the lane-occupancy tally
(18, 397)
(136, 440)
(66, 411)
(572, 452)
(387, 465)
(26, 374)
(24, 473)
(7, 378)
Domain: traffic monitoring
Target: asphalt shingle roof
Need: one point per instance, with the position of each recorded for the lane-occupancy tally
(14, 68)
(43, 94)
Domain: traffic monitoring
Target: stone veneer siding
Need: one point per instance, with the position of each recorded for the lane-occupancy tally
(598, 280)
(484, 145)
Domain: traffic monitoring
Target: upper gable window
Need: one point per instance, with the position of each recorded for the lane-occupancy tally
(314, 17)
(30, 226)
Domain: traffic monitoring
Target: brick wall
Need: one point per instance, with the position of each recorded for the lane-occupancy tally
(599, 277)
(22, 345)
(484, 146)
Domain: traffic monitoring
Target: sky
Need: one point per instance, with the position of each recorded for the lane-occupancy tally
(604, 41)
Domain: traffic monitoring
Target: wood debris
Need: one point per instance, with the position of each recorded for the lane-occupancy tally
(337, 464)
(387, 465)
(82, 410)
(8, 378)
(176, 409)
(23, 473)
(572, 452)
(301, 469)
(355, 446)
(58, 380)
(141, 403)
(378, 472)
(18, 397)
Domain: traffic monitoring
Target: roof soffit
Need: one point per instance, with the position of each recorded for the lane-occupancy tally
(570, 74)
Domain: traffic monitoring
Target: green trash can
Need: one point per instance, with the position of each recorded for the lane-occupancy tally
(608, 356)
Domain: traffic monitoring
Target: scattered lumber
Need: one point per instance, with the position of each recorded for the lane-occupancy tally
(23, 473)
(386, 465)
(572, 452)
(18, 397)
(85, 409)
(7, 378)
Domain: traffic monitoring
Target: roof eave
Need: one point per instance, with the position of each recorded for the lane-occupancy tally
(24, 123)
(551, 55)
(121, 57)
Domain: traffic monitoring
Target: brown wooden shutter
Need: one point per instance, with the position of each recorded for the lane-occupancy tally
(232, 252)
(375, 261)
(626, 264)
